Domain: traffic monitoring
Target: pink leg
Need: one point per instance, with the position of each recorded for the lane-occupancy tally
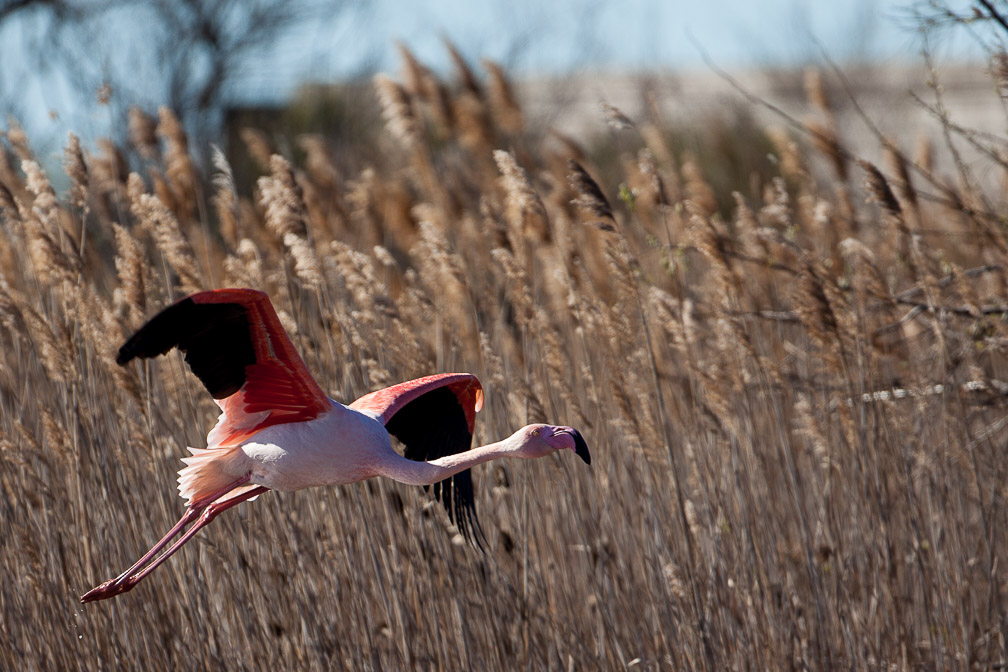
(190, 515)
(206, 509)
(209, 513)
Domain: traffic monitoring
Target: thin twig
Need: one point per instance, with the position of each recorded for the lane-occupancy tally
(951, 200)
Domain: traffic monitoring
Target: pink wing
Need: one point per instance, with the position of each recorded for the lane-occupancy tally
(385, 403)
(233, 341)
(434, 417)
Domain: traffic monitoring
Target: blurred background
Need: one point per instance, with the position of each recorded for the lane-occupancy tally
(755, 251)
(80, 64)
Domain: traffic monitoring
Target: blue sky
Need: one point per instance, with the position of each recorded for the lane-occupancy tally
(575, 35)
(631, 34)
(529, 37)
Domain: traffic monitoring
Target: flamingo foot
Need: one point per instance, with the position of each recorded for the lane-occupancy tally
(110, 588)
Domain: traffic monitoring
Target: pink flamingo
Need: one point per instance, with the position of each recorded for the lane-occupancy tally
(279, 431)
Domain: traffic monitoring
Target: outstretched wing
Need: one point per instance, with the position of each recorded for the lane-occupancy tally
(233, 341)
(434, 417)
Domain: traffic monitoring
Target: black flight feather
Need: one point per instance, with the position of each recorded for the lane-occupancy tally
(214, 337)
(431, 426)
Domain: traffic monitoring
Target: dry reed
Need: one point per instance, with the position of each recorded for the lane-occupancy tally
(760, 496)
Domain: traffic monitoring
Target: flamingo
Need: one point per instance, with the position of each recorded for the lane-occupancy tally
(279, 431)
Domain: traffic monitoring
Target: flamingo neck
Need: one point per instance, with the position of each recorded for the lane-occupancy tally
(428, 473)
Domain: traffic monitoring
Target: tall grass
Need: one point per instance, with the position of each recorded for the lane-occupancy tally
(796, 407)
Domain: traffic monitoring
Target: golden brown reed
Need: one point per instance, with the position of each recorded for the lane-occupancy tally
(589, 199)
(525, 209)
(18, 140)
(795, 408)
(225, 198)
(397, 111)
(506, 110)
(179, 169)
(76, 170)
(155, 219)
(143, 133)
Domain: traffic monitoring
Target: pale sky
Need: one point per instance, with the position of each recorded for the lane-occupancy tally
(528, 37)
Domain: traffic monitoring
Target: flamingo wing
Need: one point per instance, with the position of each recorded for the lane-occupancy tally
(433, 417)
(235, 344)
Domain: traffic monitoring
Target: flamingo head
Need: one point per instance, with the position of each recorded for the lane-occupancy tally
(539, 440)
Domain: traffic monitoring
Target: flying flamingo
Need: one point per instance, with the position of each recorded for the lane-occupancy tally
(279, 431)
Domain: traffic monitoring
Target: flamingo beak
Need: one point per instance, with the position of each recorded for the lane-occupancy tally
(580, 447)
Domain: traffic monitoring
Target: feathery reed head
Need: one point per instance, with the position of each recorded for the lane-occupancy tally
(589, 200)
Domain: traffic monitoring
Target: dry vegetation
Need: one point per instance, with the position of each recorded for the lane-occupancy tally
(758, 500)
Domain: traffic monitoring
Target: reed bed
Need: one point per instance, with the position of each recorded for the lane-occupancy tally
(794, 395)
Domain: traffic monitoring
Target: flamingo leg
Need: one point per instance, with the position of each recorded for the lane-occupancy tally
(209, 513)
(203, 510)
(191, 514)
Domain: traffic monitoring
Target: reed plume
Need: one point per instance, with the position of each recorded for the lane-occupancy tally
(792, 383)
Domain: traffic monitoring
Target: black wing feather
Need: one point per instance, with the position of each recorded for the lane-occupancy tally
(215, 338)
(431, 426)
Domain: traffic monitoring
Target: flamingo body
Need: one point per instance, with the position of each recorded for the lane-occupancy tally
(303, 454)
(279, 431)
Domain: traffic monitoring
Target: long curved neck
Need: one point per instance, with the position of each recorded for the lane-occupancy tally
(427, 473)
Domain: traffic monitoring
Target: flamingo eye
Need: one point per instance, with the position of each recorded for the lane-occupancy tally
(535, 432)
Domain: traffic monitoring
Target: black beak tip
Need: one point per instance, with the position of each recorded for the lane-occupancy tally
(580, 447)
